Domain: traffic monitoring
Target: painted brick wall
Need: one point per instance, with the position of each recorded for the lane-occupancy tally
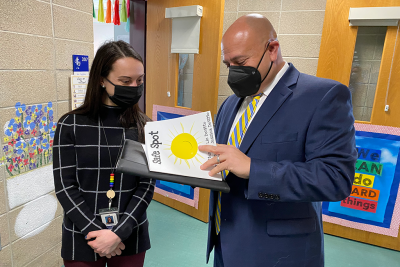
(37, 40)
(298, 24)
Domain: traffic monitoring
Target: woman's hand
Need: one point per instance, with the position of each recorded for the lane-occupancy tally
(106, 241)
(117, 251)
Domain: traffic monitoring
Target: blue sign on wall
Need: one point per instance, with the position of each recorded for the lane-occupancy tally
(81, 64)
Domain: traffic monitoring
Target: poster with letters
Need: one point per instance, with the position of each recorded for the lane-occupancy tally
(373, 204)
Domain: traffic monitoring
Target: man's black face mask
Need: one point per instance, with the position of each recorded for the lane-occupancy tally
(246, 80)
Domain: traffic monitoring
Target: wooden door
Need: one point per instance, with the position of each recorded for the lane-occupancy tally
(337, 62)
(162, 71)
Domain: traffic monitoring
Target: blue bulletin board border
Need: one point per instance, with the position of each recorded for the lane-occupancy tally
(393, 190)
(161, 116)
(177, 192)
(166, 116)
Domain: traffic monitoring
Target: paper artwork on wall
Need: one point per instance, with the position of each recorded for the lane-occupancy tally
(373, 204)
(78, 90)
(27, 147)
(28, 138)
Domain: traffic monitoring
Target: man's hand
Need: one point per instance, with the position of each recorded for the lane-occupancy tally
(117, 251)
(106, 241)
(231, 159)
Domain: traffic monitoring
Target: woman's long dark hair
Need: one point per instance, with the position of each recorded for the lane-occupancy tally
(102, 64)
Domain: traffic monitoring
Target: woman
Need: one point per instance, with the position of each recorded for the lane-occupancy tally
(87, 144)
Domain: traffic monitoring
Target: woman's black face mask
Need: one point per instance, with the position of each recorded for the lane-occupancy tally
(246, 80)
(126, 96)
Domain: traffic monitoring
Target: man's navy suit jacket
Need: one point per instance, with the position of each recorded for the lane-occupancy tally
(302, 148)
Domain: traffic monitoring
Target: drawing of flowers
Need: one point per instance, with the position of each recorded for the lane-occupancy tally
(29, 123)
(12, 143)
(19, 108)
(20, 132)
(43, 124)
(33, 142)
(28, 138)
(11, 127)
(28, 111)
(21, 147)
(37, 109)
(45, 144)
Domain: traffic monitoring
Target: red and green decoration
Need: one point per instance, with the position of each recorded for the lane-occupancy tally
(113, 14)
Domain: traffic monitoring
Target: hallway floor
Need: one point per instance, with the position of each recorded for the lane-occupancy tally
(179, 240)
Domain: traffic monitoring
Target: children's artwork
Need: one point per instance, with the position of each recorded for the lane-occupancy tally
(373, 204)
(28, 138)
(172, 146)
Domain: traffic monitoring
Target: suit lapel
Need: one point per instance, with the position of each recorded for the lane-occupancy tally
(270, 106)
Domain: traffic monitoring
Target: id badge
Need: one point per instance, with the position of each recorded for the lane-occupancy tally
(109, 217)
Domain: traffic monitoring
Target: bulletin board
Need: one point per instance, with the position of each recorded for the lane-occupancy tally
(374, 203)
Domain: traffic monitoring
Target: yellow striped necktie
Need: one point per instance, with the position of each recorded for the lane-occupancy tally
(235, 139)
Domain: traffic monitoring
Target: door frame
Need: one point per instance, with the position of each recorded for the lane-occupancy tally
(162, 72)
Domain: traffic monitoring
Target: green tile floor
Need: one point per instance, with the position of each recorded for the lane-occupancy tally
(179, 240)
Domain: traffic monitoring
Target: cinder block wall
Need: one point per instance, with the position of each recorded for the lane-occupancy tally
(298, 24)
(37, 41)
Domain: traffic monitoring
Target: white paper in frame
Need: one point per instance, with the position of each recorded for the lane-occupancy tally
(78, 90)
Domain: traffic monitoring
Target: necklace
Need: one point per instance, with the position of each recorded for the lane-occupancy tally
(111, 193)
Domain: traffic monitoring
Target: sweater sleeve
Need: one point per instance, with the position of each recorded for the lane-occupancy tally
(66, 184)
(136, 208)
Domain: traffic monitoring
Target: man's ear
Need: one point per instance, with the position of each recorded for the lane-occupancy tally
(273, 50)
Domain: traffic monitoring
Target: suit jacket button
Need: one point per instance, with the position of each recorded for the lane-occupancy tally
(260, 195)
(266, 196)
(277, 197)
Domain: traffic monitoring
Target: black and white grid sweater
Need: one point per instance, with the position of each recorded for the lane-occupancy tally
(82, 170)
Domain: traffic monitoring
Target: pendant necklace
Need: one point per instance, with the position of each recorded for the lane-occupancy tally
(111, 192)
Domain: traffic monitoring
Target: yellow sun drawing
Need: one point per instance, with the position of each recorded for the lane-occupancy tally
(184, 146)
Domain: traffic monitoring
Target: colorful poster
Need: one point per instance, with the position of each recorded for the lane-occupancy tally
(28, 138)
(372, 202)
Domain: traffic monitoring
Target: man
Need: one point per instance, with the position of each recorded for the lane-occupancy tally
(287, 143)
